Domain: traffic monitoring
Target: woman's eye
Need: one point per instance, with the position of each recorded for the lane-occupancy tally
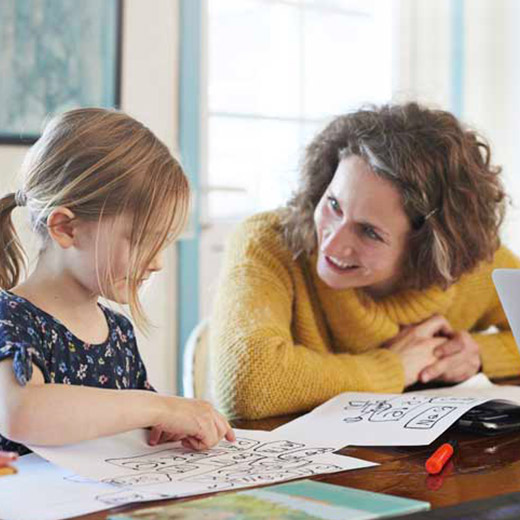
(370, 233)
(334, 204)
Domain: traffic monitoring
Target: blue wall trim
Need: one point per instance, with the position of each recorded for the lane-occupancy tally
(457, 58)
(189, 142)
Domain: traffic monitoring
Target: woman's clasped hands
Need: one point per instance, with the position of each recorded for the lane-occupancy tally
(432, 350)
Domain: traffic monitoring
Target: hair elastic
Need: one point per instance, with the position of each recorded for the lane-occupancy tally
(20, 198)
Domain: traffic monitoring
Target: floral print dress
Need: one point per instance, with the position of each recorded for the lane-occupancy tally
(29, 335)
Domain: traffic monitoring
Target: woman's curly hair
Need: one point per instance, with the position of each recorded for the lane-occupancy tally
(451, 193)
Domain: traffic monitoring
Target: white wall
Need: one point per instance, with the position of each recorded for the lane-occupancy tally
(423, 60)
(10, 160)
(149, 93)
(492, 91)
(490, 72)
(150, 88)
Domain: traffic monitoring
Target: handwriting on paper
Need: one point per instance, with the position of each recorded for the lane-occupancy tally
(412, 411)
(363, 419)
(145, 472)
(245, 462)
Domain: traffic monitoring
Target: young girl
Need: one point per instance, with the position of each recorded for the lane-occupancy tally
(105, 197)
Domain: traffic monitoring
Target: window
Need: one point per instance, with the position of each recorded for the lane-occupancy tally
(277, 71)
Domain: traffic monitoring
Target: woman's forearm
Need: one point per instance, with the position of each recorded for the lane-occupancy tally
(499, 354)
(277, 377)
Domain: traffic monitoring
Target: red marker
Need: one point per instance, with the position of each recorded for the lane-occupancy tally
(439, 458)
(435, 482)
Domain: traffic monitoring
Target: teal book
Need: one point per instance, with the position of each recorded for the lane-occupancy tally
(302, 500)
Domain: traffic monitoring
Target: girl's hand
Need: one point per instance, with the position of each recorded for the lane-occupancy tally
(458, 359)
(193, 422)
(158, 436)
(417, 345)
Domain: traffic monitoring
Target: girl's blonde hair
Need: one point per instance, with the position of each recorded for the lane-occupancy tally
(99, 163)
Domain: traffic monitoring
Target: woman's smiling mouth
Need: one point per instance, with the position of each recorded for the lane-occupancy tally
(336, 263)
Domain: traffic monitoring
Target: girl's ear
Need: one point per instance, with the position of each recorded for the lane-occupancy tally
(62, 227)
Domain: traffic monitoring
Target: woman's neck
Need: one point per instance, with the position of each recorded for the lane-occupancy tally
(382, 291)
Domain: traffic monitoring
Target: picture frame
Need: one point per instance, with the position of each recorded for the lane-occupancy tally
(56, 55)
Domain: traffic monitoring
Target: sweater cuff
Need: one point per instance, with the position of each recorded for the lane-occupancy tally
(499, 354)
(382, 372)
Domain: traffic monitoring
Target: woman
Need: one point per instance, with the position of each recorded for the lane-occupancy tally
(374, 277)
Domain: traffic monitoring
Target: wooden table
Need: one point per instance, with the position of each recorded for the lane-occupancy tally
(482, 467)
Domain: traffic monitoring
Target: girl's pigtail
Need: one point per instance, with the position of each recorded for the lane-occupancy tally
(13, 260)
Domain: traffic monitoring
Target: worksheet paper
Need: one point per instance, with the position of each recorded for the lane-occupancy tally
(364, 419)
(257, 457)
(43, 491)
(478, 386)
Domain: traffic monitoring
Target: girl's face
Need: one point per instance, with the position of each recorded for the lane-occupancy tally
(362, 230)
(103, 252)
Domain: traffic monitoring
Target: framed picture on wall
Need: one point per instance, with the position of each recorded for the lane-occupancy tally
(56, 55)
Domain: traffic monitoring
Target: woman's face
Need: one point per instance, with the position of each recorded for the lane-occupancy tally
(362, 230)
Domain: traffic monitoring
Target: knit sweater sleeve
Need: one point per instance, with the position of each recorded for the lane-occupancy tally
(260, 371)
(498, 349)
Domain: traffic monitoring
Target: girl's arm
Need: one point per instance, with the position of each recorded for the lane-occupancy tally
(56, 414)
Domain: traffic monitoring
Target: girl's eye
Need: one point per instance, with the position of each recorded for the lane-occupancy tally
(334, 204)
(370, 233)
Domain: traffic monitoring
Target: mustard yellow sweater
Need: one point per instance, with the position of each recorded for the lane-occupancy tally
(281, 341)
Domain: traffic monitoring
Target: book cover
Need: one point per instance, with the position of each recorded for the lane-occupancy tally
(302, 500)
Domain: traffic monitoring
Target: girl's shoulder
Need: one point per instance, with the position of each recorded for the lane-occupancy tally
(16, 307)
(21, 321)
